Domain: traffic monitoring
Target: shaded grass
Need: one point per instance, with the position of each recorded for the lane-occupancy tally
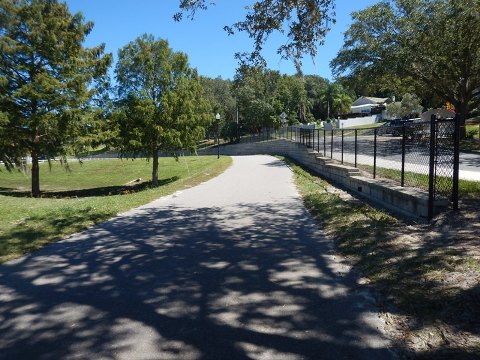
(26, 224)
(472, 143)
(408, 269)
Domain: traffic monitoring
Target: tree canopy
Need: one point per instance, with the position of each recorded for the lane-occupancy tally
(305, 23)
(432, 44)
(47, 79)
(263, 94)
(161, 105)
(408, 107)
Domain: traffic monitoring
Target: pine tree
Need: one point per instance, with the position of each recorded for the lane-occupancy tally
(46, 80)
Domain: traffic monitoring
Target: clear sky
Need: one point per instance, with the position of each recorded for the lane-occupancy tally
(207, 45)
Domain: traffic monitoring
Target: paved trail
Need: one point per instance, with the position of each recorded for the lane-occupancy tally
(232, 269)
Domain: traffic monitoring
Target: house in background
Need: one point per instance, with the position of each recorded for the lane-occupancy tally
(365, 110)
(369, 105)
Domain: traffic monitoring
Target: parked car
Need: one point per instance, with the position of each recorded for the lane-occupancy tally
(394, 127)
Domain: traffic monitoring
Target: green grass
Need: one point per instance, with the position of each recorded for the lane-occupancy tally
(408, 273)
(472, 142)
(467, 189)
(473, 129)
(75, 200)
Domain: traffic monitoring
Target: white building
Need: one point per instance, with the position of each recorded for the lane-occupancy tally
(365, 110)
(369, 105)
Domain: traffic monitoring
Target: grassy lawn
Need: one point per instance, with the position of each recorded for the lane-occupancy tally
(467, 189)
(415, 267)
(89, 194)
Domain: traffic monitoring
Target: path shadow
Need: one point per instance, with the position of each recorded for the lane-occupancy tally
(243, 282)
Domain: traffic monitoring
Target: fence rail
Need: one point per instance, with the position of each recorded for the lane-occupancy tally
(416, 154)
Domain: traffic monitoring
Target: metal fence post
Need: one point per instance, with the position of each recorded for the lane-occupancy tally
(402, 173)
(331, 144)
(324, 143)
(356, 147)
(374, 153)
(342, 146)
(318, 141)
(431, 168)
(456, 160)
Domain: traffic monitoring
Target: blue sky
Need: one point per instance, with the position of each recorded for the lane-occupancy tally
(208, 46)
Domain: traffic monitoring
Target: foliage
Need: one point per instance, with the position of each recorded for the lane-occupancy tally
(335, 100)
(409, 107)
(47, 79)
(255, 88)
(91, 193)
(161, 105)
(315, 86)
(219, 94)
(307, 22)
(264, 94)
(407, 264)
(291, 98)
(431, 43)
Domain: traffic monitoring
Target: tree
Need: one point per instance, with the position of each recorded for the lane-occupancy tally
(307, 22)
(291, 98)
(161, 106)
(433, 43)
(409, 107)
(46, 81)
(219, 94)
(335, 100)
(315, 86)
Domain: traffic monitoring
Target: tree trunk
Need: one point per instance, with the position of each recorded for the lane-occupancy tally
(35, 173)
(155, 168)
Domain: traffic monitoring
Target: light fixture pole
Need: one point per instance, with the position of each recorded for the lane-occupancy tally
(217, 119)
(283, 121)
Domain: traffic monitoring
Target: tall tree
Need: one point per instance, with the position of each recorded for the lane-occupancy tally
(305, 22)
(46, 80)
(219, 94)
(255, 88)
(315, 86)
(161, 102)
(335, 100)
(292, 98)
(434, 43)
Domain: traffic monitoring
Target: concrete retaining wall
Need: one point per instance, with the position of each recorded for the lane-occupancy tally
(407, 201)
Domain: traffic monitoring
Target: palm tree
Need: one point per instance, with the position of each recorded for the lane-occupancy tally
(335, 99)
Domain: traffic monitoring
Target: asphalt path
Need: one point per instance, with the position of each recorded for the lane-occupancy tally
(234, 268)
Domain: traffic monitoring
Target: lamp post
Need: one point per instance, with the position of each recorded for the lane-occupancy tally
(283, 120)
(217, 119)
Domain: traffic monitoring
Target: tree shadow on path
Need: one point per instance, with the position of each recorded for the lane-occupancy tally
(176, 283)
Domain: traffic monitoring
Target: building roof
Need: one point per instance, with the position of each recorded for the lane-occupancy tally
(365, 100)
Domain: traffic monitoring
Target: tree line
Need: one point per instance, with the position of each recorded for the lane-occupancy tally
(56, 98)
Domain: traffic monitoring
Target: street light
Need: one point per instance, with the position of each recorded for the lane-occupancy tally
(283, 120)
(217, 118)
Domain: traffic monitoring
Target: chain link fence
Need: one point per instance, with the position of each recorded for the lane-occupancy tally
(420, 154)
